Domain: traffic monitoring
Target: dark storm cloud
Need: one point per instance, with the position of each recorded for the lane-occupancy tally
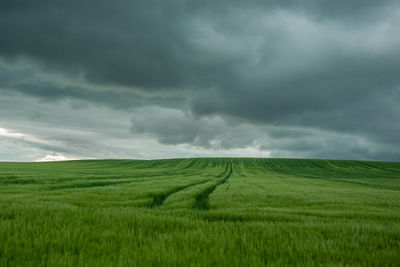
(49, 91)
(321, 65)
(150, 44)
(126, 42)
(23, 81)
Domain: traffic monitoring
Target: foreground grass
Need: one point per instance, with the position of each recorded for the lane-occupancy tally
(200, 212)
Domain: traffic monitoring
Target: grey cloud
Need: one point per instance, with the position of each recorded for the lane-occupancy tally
(171, 126)
(329, 66)
(312, 143)
(174, 127)
(95, 132)
(319, 75)
(23, 81)
(50, 91)
(124, 42)
(149, 44)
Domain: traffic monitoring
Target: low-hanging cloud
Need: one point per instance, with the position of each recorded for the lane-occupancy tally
(174, 127)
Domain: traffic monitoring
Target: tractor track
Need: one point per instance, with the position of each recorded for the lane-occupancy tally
(202, 198)
(159, 199)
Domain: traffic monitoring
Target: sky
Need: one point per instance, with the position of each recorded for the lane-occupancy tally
(149, 79)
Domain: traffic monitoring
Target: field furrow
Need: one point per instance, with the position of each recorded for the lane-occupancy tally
(158, 199)
(202, 198)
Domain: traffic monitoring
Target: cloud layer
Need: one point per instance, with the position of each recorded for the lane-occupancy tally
(310, 79)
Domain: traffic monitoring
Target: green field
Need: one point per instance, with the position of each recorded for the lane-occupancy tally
(200, 212)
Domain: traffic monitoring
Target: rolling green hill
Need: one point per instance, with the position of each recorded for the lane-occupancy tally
(200, 212)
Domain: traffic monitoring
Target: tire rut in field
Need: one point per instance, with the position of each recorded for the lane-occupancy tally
(272, 167)
(381, 168)
(202, 198)
(284, 170)
(159, 199)
(87, 185)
